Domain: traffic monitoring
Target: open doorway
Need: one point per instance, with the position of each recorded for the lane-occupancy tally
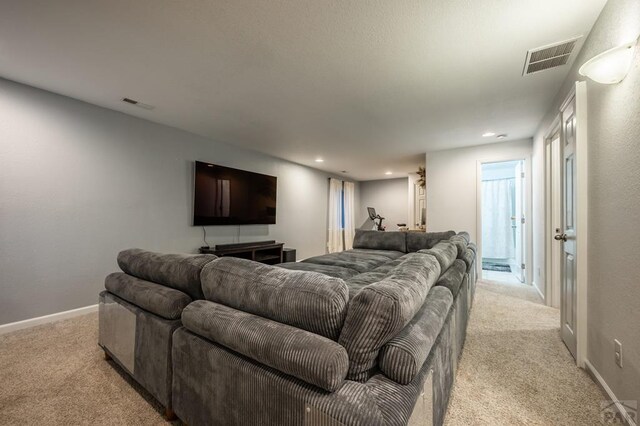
(503, 203)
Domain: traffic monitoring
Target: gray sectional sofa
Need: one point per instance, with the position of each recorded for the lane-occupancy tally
(369, 336)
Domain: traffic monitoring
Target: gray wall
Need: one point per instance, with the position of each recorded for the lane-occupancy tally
(390, 198)
(452, 183)
(78, 183)
(614, 202)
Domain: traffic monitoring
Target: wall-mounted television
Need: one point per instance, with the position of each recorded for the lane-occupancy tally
(226, 196)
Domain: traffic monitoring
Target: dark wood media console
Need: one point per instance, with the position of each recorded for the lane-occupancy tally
(269, 252)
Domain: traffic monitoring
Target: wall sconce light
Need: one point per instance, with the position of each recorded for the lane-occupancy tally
(611, 66)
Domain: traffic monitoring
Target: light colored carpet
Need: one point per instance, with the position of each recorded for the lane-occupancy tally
(514, 370)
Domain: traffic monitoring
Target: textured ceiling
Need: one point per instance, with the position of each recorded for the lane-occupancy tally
(368, 85)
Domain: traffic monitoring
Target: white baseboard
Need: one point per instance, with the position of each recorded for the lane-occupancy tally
(20, 325)
(607, 390)
(539, 292)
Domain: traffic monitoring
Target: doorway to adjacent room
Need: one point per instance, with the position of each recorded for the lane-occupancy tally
(503, 221)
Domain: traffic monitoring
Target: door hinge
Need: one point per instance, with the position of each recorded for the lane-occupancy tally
(522, 266)
(522, 174)
(522, 220)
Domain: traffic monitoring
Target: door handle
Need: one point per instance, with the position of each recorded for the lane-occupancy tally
(560, 237)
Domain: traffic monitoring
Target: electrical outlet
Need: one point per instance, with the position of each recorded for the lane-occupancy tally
(618, 352)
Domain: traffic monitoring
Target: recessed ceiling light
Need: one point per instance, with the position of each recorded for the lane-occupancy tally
(488, 134)
(319, 160)
(388, 173)
(502, 136)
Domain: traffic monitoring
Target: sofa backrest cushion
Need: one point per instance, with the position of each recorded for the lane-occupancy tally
(452, 278)
(179, 271)
(380, 310)
(460, 242)
(403, 356)
(468, 256)
(426, 240)
(308, 300)
(161, 300)
(464, 235)
(445, 252)
(291, 350)
(378, 240)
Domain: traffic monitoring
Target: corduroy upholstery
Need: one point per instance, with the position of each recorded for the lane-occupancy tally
(158, 299)
(426, 240)
(296, 352)
(445, 251)
(266, 353)
(452, 277)
(330, 270)
(460, 242)
(403, 356)
(380, 310)
(151, 346)
(353, 259)
(377, 240)
(179, 271)
(214, 386)
(307, 300)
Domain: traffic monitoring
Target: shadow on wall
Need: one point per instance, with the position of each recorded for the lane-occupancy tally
(367, 224)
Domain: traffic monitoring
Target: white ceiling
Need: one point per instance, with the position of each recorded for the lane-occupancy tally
(369, 85)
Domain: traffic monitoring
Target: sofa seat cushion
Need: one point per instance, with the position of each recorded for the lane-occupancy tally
(445, 251)
(358, 261)
(299, 353)
(163, 301)
(391, 254)
(452, 278)
(380, 310)
(179, 271)
(426, 240)
(377, 240)
(309, 300)
(360, 281)
(330, 270)
(403, 356)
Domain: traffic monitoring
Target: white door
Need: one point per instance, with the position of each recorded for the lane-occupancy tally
(419, 205)
(567, 235)
(517, 268)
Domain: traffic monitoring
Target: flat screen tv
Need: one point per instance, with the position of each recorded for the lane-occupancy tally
(226, 196)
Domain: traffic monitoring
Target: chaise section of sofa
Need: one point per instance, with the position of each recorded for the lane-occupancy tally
(140, 309)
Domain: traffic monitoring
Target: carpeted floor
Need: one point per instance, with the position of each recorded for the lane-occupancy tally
(514, 370)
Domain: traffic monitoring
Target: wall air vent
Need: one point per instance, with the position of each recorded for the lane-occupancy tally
(550, 56)
(137, 103)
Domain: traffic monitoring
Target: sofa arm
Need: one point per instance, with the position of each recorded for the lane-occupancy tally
(299, 353)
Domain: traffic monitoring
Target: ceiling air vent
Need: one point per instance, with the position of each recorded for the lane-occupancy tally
(137, 103)
(550, 56)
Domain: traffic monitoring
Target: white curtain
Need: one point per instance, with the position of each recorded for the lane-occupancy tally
(497, 233)
(334, 243)
(349, 214)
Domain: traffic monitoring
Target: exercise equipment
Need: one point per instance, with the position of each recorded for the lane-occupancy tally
(375, 216)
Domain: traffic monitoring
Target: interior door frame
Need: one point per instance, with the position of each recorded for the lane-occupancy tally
(579, 92)
(527, 231)
(552, 284)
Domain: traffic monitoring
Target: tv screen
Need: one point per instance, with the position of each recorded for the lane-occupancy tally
(226, 196)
